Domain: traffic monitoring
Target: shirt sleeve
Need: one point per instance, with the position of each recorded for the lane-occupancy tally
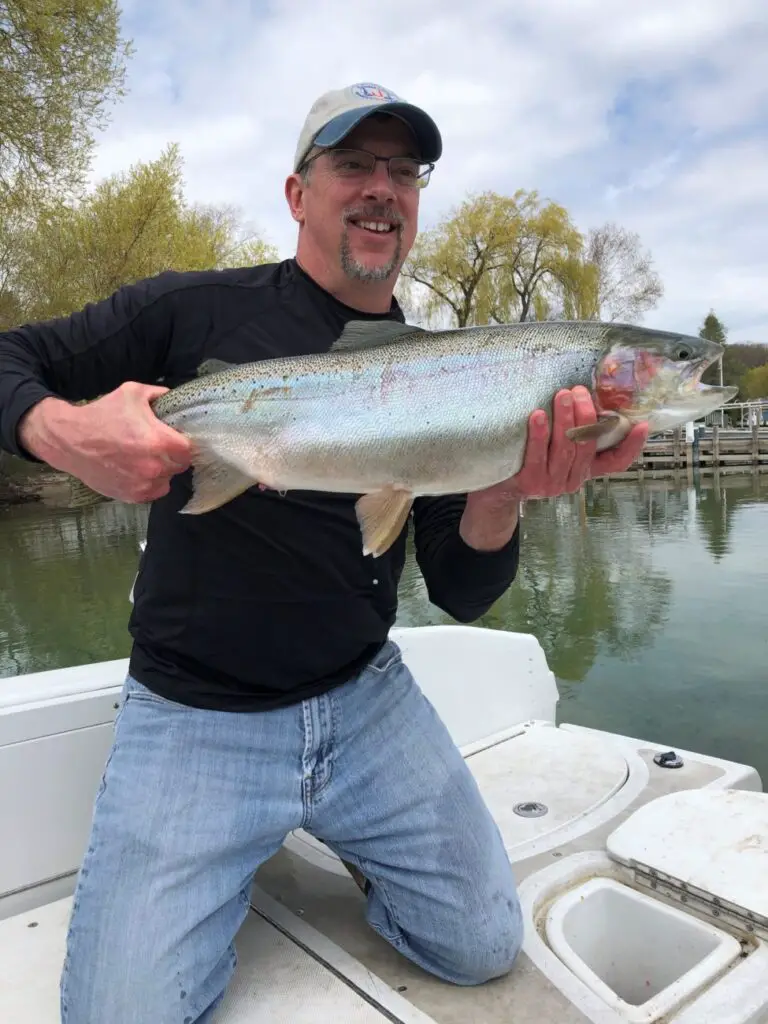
(460, 580)
(93, 351)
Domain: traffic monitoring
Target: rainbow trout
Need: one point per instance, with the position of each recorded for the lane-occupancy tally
(393, 411)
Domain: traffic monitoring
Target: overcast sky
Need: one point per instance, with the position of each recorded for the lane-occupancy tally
(652, 114)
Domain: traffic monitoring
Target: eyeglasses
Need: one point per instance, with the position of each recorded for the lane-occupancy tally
(358, 164)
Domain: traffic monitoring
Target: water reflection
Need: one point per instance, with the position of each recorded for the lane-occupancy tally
(650, 600)
(586, 582)
(64, 584)
(718, 506)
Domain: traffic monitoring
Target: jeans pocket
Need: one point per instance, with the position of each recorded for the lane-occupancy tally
(389, 656)
(136, 691)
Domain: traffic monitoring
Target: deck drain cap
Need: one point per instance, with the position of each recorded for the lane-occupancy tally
(670, 759)
(531, 809)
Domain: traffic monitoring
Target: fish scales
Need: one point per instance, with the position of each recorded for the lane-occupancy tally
(449, 411)
(393, 411)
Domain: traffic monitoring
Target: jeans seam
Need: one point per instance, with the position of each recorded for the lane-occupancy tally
(396, 939)
(329, 744)
(306, 779)
(380, 889)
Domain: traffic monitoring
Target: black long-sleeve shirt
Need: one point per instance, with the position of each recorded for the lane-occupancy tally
(269, 599)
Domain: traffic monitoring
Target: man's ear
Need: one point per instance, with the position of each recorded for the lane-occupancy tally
(294, 194)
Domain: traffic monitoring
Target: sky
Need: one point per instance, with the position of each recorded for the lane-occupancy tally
(653, 115)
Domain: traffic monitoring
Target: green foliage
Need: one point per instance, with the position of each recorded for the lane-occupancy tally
(713, 329)
(748, 355)
(504, 258)
(457, 260)
(739, 359)
(60, 65)
(133, 225)
(755, 382)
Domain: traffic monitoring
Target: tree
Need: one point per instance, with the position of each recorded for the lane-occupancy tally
(728, 370)
(503, 258)
(495, 258)
(60, 65)
(749, 354)
(755, 382)
(133, 225)
(453, 262)
(626, 282)
(713, 329)
(542, 275)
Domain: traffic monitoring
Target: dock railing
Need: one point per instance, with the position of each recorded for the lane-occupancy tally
(740, 445)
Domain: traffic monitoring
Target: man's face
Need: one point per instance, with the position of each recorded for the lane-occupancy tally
(339, 216)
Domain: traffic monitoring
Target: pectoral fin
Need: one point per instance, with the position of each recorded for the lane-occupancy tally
(81, 495)
(214, 483)
(609, 429)
(382, 515)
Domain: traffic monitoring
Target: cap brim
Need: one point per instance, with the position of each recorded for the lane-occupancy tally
(424, 128)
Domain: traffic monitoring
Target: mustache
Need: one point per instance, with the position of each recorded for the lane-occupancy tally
(373, 211)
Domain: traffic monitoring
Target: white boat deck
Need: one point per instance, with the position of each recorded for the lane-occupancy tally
(281, 979)
(305, 951)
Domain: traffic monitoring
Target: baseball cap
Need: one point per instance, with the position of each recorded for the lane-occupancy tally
(336, 113)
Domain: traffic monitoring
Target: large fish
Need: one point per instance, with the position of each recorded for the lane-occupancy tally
(393, 411)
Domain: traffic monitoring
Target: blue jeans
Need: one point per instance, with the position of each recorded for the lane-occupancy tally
(193, 801)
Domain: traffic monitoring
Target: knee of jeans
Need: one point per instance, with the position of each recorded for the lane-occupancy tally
(493, 950)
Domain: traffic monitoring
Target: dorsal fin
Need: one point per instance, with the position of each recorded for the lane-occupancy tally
(213, 366)
(370, 333)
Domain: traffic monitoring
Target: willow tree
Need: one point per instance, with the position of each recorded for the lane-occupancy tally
(60, 66)
(497, 258)
(132, 225)
(505, 258)
(455, 262)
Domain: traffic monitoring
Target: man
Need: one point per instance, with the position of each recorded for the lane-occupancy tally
(264, 694)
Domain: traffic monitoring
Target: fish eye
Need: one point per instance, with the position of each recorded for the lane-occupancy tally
(683, 353)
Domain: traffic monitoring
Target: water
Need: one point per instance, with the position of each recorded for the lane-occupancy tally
(650, 600)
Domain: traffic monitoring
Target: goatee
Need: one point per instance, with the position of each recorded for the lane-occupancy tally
(353, 268)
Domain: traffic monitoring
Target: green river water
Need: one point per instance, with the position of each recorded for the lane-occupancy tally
(650, 600)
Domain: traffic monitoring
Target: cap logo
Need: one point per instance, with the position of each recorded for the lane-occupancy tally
(371, 91)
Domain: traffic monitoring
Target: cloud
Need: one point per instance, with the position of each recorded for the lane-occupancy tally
(652, 115)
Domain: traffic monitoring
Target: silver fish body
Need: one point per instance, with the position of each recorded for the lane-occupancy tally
(392, 411)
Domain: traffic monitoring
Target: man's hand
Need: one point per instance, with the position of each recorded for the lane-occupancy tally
(553, 465)
(116, 445)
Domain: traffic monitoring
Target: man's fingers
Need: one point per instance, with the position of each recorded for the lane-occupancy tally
(556, 465)
(563, 451)
(168, 443)
(176, 447)
(152, 391)
(585, 414)
(537, 446)
(621, 457)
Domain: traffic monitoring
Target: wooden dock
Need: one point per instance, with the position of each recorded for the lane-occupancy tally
(714, 449)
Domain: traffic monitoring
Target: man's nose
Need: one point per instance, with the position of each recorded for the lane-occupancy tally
(378, 185)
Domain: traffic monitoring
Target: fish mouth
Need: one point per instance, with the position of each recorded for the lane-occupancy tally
(690, 379)
(708, 394)
(689, 405)
(689, 390)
